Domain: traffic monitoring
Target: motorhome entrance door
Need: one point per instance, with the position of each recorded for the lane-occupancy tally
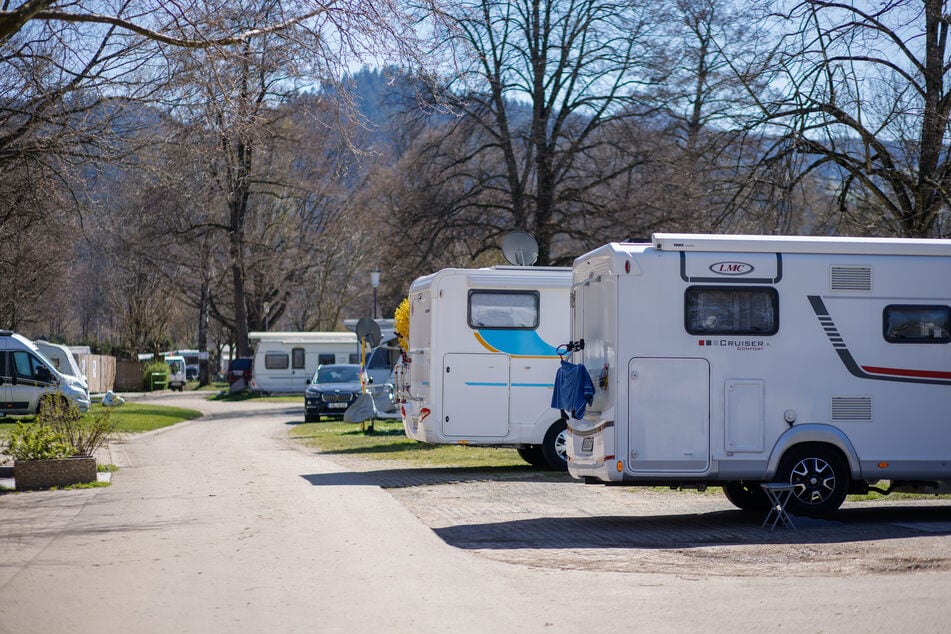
(668, 415)
(475, 395)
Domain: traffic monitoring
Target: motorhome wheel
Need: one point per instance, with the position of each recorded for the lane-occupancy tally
(555, 446)
(48, 404)
(746, 496)
(533, 455)
(821, 477)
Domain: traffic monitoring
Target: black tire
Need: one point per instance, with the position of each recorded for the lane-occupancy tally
(746, 496)
(47, 405)
(820, 475)
(533, 455)
(311, 418)
(555, 446)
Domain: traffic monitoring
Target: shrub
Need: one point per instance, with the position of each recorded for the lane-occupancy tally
(35, 441)
(84, 433)
(401, 324)
(152, 367)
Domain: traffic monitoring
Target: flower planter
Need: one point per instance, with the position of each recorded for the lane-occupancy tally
(43, 474)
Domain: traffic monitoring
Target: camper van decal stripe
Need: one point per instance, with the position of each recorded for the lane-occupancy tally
(549, 386)
(732, 279)
(932, 374)
(516, 343)
(902, 375)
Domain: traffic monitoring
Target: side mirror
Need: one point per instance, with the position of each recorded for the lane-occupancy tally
(43, 374)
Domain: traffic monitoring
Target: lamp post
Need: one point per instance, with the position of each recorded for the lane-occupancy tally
(375, 282)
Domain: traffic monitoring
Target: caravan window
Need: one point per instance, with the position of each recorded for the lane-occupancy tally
(732, 310)
(917, 324)
(275, 360)
(503, 309)
(297, 358)
(328, 358)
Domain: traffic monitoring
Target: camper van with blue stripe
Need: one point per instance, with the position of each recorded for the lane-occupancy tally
(482, 357)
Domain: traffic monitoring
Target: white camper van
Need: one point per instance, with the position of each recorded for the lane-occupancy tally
(284, 362)
(28, 379)
(482, 354)
(737, 360)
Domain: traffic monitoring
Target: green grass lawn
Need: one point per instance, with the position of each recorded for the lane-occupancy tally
(129, 418)
(387, 441)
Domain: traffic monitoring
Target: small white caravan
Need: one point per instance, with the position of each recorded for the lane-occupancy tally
(63, 360)
(482, 354)
(284, 362)
(738, 360)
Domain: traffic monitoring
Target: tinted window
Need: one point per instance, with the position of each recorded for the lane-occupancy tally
(503, 309)
(338, 374)
(917, 324)
(328, 358)
(25, 364)
(731, 310)
(275, 360)
(297, 355)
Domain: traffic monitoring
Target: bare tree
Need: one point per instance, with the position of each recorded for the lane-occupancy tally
(860, 94)
(536, 83)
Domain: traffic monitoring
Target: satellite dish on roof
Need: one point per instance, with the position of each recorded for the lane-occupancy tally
(369, 330)
(520, 248)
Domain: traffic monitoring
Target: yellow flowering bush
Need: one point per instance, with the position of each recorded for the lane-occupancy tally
(401, 324)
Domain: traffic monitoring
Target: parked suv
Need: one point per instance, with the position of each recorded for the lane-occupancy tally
(333, 389)
(28, 379)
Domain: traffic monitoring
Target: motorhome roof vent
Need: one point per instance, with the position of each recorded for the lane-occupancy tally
(851, 278)
(851, 408)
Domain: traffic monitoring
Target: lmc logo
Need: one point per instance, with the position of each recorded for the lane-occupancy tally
(731, 268)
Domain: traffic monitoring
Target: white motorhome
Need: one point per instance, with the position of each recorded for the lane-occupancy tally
(284, 362)
(482, 354)
(28, 380)
(63, 360)
(737, 360)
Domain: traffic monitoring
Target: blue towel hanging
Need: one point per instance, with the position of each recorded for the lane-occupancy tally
(574, 390)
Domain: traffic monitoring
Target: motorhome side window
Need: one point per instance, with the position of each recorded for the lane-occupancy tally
(275, 360)
(298, 358)
(503, 309)
(917, 324)
(25, 364)
(727, 310)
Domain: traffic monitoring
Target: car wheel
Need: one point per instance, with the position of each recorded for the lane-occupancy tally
(555, 446)
(820, 475)
(311, 418)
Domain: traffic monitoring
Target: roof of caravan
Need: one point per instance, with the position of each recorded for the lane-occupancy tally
(501, 275)
(304, 337)
(800, 244)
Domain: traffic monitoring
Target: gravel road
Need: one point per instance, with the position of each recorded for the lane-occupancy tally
(224, 525)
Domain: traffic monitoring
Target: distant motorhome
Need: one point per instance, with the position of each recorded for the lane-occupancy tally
(30, 382)
(482, 357)
(284, 362)
(738, 360)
